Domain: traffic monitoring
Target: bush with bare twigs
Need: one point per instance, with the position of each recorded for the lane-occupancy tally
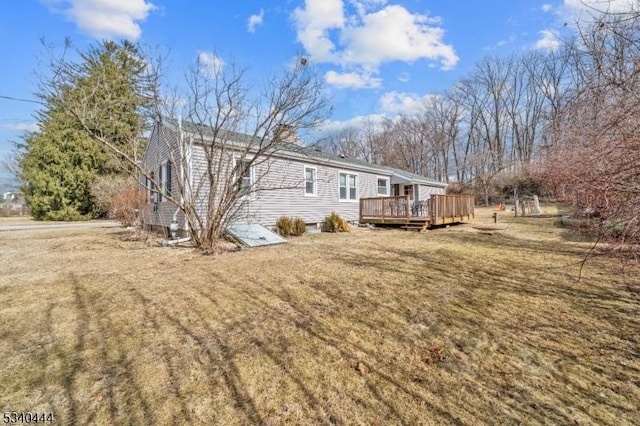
(127, 206)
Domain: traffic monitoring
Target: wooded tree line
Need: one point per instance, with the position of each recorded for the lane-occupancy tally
(502, 125)
(495, 120)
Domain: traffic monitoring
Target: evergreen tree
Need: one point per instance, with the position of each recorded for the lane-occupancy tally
(103, 95)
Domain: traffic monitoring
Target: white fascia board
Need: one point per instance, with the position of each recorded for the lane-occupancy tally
(400, 178)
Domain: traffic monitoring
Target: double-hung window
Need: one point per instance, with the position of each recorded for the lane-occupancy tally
(383, 186)
(348, 186)
(164, 175)
(151, 189)
(310, 179)
(245, 176)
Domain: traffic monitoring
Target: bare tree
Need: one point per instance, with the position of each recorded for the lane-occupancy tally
(235, 136)
(442, 117)
(232, 130)
(351, 142)
(595, 159)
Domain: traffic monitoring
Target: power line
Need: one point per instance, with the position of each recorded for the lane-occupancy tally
(21, 100)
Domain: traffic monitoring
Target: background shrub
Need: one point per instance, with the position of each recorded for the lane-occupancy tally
(127, 205)
(105, 189)
(66, 213)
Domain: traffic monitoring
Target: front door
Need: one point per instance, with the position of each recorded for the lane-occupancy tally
(408, 190)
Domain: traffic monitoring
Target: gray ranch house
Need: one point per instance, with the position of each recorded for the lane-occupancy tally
(295, 180)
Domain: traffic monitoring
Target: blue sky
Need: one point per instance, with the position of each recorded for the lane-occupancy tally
(378, 57)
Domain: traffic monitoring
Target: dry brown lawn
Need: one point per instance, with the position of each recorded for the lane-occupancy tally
(472, 324)
(19, 220)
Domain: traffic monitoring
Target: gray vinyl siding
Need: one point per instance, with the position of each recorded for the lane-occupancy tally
(280, 190)
(158, 152)
(290, 198)
(427, 191)
(199, 177)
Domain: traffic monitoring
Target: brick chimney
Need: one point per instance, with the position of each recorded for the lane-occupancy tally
(285, 133)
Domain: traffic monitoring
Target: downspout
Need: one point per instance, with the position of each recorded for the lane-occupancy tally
(174, 227)
(181, 147)
(189, 175)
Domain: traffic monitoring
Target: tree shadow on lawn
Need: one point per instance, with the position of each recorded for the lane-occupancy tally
(474, 360)
(300, 326)
(105, 379)
(96, 360)
(593, 335)
(400, 336)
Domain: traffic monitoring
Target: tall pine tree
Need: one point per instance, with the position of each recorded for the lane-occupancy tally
(102, 95)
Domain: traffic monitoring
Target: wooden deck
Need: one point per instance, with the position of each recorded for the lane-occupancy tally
(399, 210)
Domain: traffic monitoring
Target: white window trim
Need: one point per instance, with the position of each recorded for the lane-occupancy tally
(349, 200)
(162, 180)
(315, 181)
(252, 177)
(162, 170)
(153, 194)
(388, 179)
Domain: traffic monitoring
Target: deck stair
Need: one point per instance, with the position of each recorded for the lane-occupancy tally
(417, 224)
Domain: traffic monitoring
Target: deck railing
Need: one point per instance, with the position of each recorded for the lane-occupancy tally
(385, 207)
(436, 208)
(451, 206)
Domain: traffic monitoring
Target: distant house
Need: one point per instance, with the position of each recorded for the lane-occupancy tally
(13, 204)
(296, 180)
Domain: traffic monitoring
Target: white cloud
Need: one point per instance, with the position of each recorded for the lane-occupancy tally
(254, 21)
(404, 77)
(210, 63)
(352, 80)
(374, 35)
(21, 127)
(314, 23)
(392, 104)
(394, 34)
(403, 103)
(106, 18)
(546, 7)
(548, 41)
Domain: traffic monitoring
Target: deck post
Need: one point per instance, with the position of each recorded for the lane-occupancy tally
(407, 208)
(433, 208)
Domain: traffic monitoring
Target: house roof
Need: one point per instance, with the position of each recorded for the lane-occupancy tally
(316, 153)
(309, 153)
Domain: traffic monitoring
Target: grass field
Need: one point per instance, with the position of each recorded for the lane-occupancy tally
(475, 324)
